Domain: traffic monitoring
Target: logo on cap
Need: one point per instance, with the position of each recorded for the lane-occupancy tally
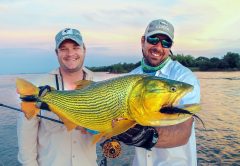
(67, 31)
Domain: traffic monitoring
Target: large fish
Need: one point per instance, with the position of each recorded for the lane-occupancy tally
(122, 101)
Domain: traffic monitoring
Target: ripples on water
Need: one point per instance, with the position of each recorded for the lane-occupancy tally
(219, 144)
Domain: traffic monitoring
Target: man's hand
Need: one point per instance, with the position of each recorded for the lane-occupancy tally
(43, 90)
(174, 135)
(139, 136)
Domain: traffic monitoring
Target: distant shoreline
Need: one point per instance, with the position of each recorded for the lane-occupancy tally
(12, 74)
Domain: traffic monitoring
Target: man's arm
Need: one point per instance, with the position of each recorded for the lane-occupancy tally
(168, 136)
(160, 137)
(173, 136)
(178, 135)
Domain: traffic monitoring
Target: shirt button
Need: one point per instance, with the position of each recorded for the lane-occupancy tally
(74, 142)
(73, 156)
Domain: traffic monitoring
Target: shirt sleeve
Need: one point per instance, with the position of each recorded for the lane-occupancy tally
(193, 96)
(27, 131)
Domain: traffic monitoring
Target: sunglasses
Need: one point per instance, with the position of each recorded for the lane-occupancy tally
(154, 40)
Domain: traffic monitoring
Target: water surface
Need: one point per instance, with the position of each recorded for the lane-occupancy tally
(218, 144)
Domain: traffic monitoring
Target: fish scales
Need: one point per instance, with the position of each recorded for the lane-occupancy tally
(113, 106)
(98, 103)
(83, 104)
(85, 109)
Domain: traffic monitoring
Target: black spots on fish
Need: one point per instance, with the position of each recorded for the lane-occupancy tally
(174, 110)
(29, 98)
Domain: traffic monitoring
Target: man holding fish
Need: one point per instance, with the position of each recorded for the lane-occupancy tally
(42, 142)
(173, 145)
(132, 99)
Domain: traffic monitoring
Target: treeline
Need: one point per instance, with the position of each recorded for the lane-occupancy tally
(229, 62)
(116, 68)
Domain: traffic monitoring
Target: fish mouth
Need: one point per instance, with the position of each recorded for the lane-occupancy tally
(184, 113)
(188, 109)
(173, 106)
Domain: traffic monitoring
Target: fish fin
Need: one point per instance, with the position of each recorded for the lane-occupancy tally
(29, 109)
(97, 137)
(83, 83)
(26, 88)
(68, 123)
(120, 126)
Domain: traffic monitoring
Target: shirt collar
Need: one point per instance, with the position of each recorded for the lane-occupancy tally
(89, 74)
(166, 69)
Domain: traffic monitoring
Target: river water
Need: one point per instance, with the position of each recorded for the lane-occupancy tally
(217, 144)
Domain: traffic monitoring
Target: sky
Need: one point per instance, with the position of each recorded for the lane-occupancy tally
(112, 29)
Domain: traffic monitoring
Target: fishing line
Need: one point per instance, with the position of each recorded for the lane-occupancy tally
(199, 119)
(103, 161)
(40, 116)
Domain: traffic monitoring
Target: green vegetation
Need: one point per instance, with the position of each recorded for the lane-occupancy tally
(229, 62)
(116, 68)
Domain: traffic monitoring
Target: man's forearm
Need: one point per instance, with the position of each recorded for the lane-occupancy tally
(173, 136)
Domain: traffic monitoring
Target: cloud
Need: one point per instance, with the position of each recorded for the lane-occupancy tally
(114, 28)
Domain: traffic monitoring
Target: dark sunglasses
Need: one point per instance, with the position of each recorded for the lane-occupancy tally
(154, 40)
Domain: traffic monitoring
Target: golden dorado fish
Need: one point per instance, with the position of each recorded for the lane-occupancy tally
(125, 100)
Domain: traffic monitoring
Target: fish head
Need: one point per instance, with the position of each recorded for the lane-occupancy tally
(151, 94)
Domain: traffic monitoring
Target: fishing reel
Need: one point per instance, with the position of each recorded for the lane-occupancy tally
(111, 148)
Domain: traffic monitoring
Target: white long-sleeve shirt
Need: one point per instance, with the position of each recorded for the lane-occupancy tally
(179, 156)
(46, 143)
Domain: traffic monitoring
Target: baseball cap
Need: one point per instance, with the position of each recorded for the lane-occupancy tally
(160, 26)
(68, 33)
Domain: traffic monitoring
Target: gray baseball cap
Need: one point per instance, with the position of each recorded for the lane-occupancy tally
(68, 33)
(160, 26)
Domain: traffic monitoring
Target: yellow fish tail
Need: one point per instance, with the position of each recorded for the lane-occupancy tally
(29, 109)
(25, 88)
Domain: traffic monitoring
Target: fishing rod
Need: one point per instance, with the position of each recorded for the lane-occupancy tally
(40, 116)
(108, 142)
(43, 117)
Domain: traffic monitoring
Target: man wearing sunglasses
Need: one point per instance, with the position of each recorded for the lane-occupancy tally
(170, 145)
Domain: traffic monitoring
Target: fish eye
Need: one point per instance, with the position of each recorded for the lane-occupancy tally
(173, 89)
